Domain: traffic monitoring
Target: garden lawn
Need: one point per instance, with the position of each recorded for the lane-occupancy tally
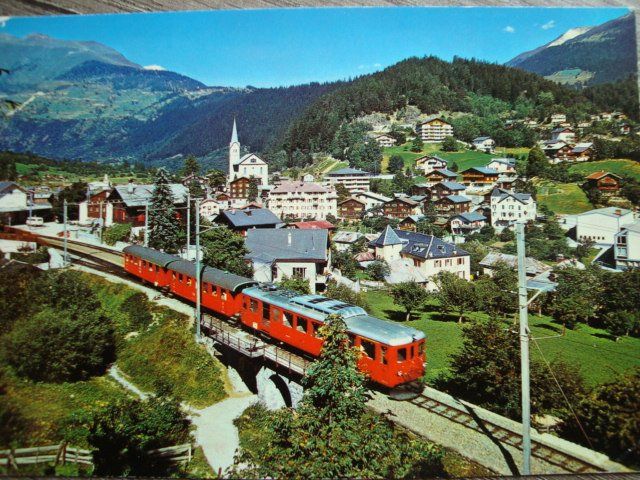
(622, 167)
(464, 158)
(563, 198)
(599, 357)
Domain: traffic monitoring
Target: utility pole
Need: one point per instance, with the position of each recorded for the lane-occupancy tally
(188, 222)
(64, 241)
(146, 224)
(197, 212)
(523, 303)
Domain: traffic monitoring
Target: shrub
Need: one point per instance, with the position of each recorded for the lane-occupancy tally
(118, 232)
(138, 308)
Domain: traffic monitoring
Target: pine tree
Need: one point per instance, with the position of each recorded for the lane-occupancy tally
(164, 226)
(191, 166)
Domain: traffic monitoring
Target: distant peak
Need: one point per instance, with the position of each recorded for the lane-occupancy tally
(157, 68)
(568, 35)
(38, 36)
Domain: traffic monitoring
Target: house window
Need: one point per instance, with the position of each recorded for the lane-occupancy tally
(299, 272)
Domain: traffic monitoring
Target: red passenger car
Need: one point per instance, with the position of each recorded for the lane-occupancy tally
(148, 264)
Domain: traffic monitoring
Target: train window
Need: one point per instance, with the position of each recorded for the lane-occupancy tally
(151, 267)
(369, 348)
(383, 355)
(214, 290)
(180, 277)
(402, 354)
(188, 280)
(287, 320)
(223, 295)
(205, 287)
(301, 324)
(277, 315)
(314, 329)
(254, 305)
(265, 311)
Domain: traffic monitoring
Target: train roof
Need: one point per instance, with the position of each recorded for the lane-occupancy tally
(227, 280)
(358, 321)
(154, 256)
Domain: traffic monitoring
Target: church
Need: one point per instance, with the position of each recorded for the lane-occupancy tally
(247, 166)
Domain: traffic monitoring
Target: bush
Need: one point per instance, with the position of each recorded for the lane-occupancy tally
(344, 293)
(138, 309)
(118, 232)
(296, 284)
(60, 345)
(378, 270)
(40, 255)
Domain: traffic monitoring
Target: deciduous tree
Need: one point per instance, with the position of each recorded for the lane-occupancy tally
(455, 293)
(225, 249)
(410, 296)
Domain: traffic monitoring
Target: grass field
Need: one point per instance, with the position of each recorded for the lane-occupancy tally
(54, 175)
(622, 167)
(464, 159)
(563, 198)
(599, 357)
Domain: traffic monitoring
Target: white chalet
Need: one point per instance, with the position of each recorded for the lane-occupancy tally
(434, 130)
(429, 163)
(385, 140)
(506, 167)
(627, 247)
(558, 118)
(484, 144)
(371, 199)
(563, 135)
(602, 224)
(353, 179)
(209, 208)
(508, 207)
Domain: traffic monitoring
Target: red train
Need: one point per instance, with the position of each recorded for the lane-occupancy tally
(392, 354)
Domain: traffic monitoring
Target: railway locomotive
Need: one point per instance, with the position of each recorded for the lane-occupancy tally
(392, 354)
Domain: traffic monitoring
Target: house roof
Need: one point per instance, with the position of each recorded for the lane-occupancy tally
(346, 237)
(533, 266)
(429, 120)
(602, 174)
(431, 157)
(314, 225)
(457, 198)
(248, 156)
(419, 244)
(444, 171)
(249, 217)
(405, 200)
(375, 196)
(403, 270)
(483, 170)
(299, 187)
(138, 195)
(353, 199)
(481, 139)
(506, 161)
(581, 147)
(268, 245)
(469, 217)
(500, 194)
(632, 227)
(413, 218)
(451, 185)
(13, 185)
(347, 171)
(615, 212)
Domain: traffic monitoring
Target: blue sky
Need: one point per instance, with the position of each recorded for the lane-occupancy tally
(291, 46)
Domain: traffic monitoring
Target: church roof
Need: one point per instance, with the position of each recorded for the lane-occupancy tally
(388, 237)
(234, 132)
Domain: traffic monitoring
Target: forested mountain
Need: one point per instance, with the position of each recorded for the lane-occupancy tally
(605, 53)
(432, 85)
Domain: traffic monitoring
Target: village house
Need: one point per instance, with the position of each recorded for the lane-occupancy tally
(493, 260)
(343, 241)
(284, 252)
(242, 220)
(127, 203)
(608, 183)
(508, 207)
(421, 189)
(419, 257)
(452, 204)
(558, 118)
(353, 179)
(16, 203)
(209, 208)
(351, 209)
(429, 163)
(444, 189)
(563, 134)
(563, 154)
(434, 130)
(627, 247)
(400, 207)
(582, 152)
(95, 207)
(602, 224)
(313, 225)
(467, 223)
(249, 165)
(551, 148)
(303, 200)
(484, 144)
(437, 176)
(239, 189)
(410, 223)
(506, 167)
(371, 199)
(385, 141)
(477, 178)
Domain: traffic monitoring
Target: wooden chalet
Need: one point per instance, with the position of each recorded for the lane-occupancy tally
(410, 223)
(421, 189)
(97, 207)
(440, 175)
(479, 177)
(606, 182)
(400, 207)
(239, 188)
(444, 189)
(452, 204)
(351, 209)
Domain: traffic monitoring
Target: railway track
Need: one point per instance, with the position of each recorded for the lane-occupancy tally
(110, 261)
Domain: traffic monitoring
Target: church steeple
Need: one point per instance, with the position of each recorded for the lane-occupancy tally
(234, 132)
(234, 152)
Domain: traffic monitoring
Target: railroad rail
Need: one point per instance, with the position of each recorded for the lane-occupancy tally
(453, 410)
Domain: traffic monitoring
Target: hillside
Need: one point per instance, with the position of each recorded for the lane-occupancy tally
(86, 101)
(586, 56)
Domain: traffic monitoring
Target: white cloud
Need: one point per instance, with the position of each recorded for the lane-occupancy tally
(154, 67)
(361, 67)
(3, 21)
(377, 65)
(549, 24)
(509, 29)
